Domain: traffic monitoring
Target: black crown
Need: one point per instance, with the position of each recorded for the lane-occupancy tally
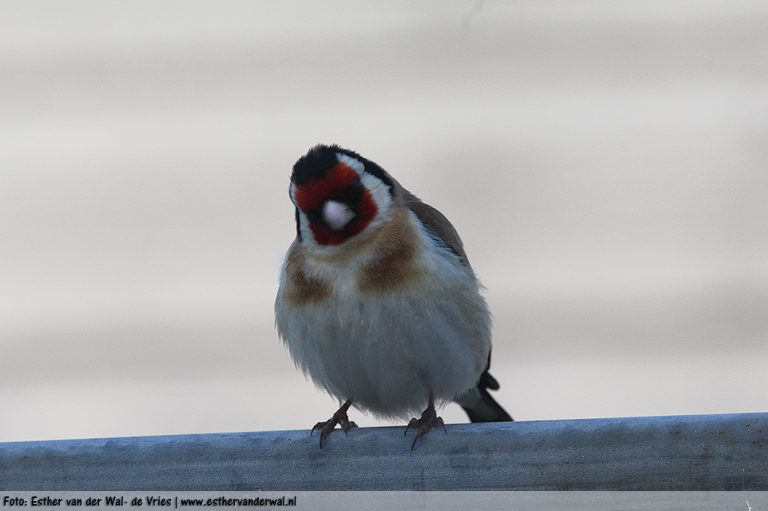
(321, 158)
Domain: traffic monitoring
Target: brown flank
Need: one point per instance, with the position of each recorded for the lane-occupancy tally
(394, 262)
(302, 288)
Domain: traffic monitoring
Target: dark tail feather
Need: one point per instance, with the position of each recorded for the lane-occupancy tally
(480, 405)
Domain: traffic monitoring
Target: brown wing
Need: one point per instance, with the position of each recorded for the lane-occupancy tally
(430, 217)
(435, 222)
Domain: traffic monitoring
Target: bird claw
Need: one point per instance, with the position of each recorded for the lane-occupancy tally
(425, 423)
(339, 418)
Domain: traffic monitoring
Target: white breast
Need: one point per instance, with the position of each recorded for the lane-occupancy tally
(387, 351)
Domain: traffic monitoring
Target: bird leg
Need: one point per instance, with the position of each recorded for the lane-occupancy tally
(426, 422)
(340, 418)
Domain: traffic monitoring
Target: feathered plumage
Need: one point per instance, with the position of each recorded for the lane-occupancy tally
(378, 303)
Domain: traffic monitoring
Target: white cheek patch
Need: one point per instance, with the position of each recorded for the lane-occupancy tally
(337, 215)
(350, 162)
(379, 192)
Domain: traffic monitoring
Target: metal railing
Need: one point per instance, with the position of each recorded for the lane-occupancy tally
(705, 452)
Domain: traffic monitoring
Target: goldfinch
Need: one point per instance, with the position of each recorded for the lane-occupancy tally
(377, 301)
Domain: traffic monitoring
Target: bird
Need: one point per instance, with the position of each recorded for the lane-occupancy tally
(377, 302)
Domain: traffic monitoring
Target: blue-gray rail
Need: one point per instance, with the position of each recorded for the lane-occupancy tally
(700, 452)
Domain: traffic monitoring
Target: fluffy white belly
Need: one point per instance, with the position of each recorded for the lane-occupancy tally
(389, 351)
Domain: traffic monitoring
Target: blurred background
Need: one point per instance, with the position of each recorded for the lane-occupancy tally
(606, 163)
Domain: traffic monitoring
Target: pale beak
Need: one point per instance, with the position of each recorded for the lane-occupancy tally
(337, 214)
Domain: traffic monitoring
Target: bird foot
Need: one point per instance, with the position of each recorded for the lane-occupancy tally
(425, 423)
(339, 418)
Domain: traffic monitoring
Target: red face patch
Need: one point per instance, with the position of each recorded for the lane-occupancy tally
(311, 196)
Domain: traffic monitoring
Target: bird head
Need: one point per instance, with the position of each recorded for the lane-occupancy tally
(338, 195)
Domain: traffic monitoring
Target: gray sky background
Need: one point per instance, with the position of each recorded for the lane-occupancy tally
(606, 163)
